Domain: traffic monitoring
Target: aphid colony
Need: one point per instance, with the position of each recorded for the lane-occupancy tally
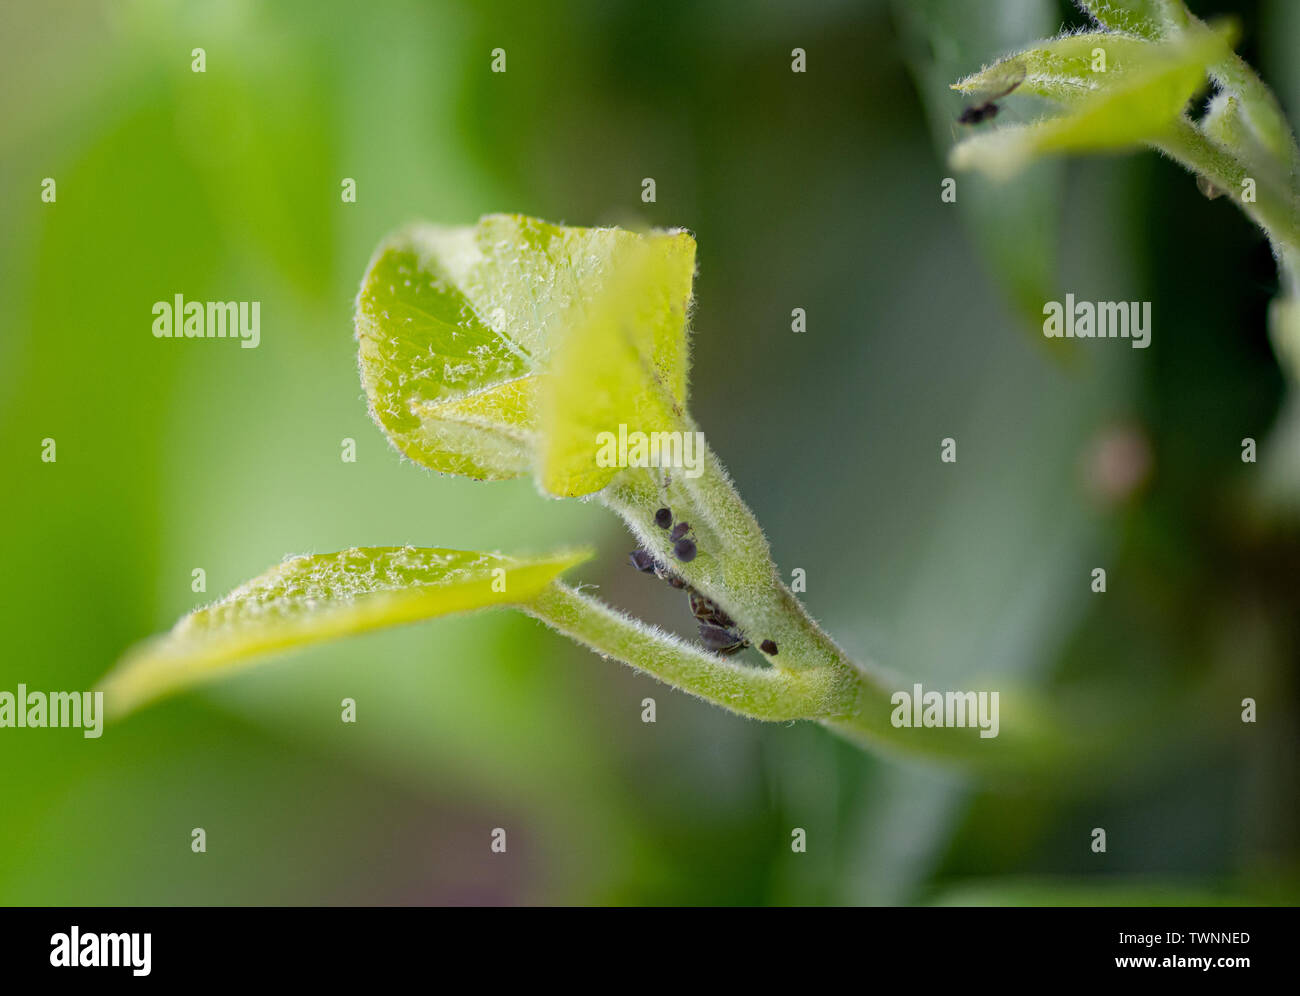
(718, 631)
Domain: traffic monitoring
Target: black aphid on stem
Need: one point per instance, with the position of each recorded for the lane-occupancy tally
(645, 562)
(707, 610)
(672, 580)
(718, 631)
(722, 639)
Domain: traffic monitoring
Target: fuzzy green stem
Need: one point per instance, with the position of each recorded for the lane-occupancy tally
(841, 699)
(810, 676)
(733, 565)
(761, 693)
(1274, 207)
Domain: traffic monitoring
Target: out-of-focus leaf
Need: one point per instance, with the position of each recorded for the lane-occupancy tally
(1142, 105)
(457, 326)
(1150, 19)
(1061, 69)
(621, 365)
(1156, 19)
(311, 599)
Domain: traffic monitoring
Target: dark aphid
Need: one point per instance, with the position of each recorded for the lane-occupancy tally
(718, 631)
(722, 639)
(663, 518)
(985, 107)
(978, 113)
(768, 647)
(668, 577)
(645, 562)
(707, 610)
(679, 530)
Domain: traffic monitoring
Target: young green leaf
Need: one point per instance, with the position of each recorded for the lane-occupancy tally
(1143, 105)
(311, 599)
(456, 328)
(1156, 19)
(620, 368)
(449, 385)
(1066, 69)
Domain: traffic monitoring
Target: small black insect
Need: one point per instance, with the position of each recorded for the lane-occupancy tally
(679, 530)
(718, 631)
(978, 113)
(707, 610)
(768, 647)
(645, 562)
(671, 579)
(985, 108)
(663, 518)
(722, 639)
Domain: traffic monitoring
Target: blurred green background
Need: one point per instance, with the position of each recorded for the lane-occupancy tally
(816, 190)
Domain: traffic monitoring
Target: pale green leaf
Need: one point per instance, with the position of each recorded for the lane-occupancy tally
(457, 325)
(1144, 105)
(620, 369)
(311, 599)
(1062, 69)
